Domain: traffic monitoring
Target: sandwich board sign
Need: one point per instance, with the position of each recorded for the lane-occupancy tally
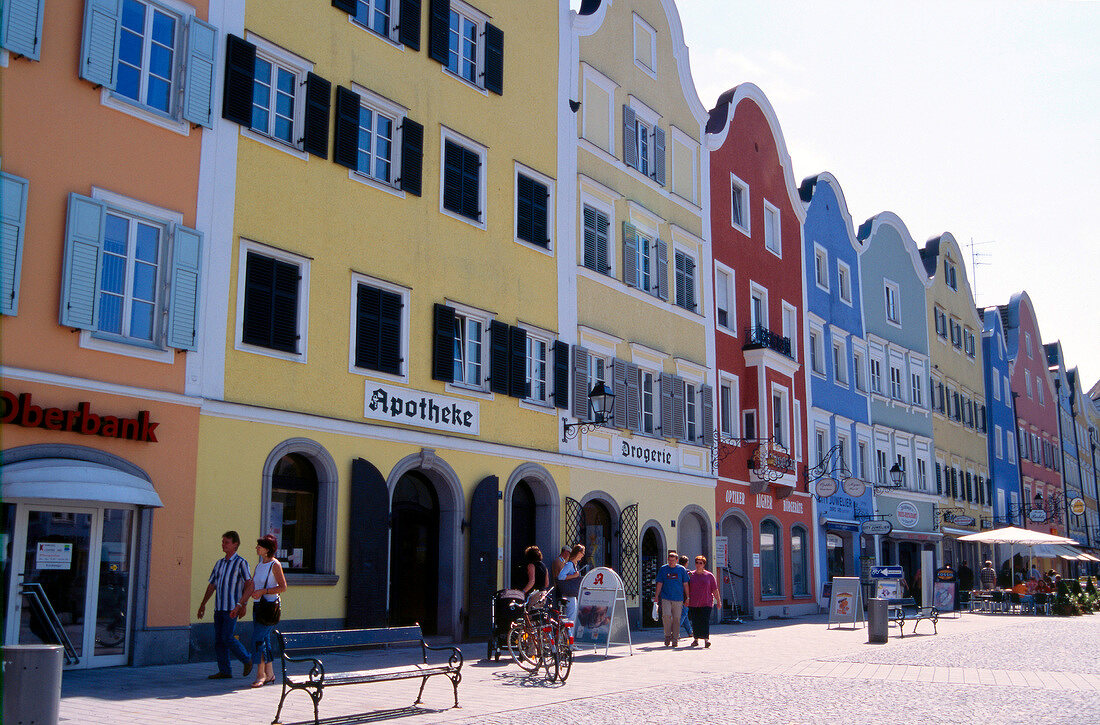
(846, 602)
(601, 611)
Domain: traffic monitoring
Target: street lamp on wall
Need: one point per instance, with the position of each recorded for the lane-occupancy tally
(600, 412)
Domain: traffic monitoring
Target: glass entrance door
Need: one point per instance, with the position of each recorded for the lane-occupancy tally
(81, 558)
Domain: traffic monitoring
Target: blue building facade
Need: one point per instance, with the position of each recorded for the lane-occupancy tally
(1004, 467)
(839, 422)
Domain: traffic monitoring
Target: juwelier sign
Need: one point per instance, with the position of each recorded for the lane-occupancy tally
(394, 404)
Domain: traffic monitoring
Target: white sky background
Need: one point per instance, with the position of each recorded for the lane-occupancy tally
(978, 118)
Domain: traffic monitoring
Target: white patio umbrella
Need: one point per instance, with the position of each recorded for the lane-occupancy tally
(1017, 537)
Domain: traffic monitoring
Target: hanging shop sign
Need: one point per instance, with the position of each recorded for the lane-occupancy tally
(1077, 506)
(1037, 515)
(394, 404)
(962, 520)
(19, 409)
(908, 515)
(826, 487)
(854, 487)
(876, 528)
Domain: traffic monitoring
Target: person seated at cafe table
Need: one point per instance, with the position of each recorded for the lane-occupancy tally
(988, 576)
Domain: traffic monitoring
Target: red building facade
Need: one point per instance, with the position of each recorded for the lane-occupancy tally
(762, 505)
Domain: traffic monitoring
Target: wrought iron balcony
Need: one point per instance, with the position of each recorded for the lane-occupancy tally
(760, 336)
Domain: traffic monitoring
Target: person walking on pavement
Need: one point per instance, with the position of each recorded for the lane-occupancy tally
(269, 574)
(704, 594)
(569, 581)
(227, 581)
(672, 589)
(685, 621)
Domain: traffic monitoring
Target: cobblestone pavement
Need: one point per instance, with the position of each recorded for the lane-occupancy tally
(979, 668)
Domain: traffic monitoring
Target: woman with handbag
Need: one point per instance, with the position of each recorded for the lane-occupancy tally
(267, 582)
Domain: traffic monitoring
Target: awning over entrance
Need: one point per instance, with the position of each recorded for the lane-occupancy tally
(1065, 552)
(71, 480)
(915, 535)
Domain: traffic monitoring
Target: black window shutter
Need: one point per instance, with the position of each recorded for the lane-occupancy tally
(270, 303)
(240, 71)
(561, 374)
(540, 196)
(494, 59)
(517, 362)
(284, 314)
(408, 27)
(452, 176)
(367, 327)
(345, 147)
(439, 29)
(498, 357)
(412, 156)
(443, 340)
(315, 138)
(389, 332)
(471, 186)
(524, 212)
(348, 6)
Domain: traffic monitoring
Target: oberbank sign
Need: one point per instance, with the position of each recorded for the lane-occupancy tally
(393, 404)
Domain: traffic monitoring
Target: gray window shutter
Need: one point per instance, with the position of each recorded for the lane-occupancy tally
(630, 137)
(580, 382)
(668, 382)
(618, 378)
(590, 254)
(183, 313)
(679, 409)
(661, 277)
(630, 255)
(21, 27)
(633, 398)
(99, 44)
(198, 90)
(83, 248)
(13, 223)
(659, 155)
(603, 225)
(706, 403)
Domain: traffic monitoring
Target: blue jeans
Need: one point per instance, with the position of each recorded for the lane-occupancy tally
(685, 621)
(261, 642)
(225, 643)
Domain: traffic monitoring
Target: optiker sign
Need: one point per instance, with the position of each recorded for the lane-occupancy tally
(393, 404)
(21, 410)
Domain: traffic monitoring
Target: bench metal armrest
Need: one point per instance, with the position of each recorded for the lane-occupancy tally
(455, 659)
(316, 670)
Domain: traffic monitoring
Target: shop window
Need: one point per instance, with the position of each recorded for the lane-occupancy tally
(300, 506)
(800, 569)
(770, 579)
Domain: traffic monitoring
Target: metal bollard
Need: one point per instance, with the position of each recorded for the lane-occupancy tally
(877, 622)
(32, 684)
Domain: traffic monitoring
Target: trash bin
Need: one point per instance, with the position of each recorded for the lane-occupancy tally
(877, 622)
(32, 684)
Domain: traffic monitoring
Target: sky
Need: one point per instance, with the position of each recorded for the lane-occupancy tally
(977, 118)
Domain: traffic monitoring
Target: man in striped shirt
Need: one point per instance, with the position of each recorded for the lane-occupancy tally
(227, 581)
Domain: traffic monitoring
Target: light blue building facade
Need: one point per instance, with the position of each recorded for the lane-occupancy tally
(839, 423)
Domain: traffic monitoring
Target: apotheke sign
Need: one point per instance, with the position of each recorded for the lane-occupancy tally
(417, 408)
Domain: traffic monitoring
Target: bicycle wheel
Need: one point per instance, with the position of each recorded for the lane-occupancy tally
(523, 646)
(550, 649)
(565, 653)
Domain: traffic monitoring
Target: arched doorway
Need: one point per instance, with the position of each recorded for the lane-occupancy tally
(736, 580)
(691, 536)
(414, 553)
(522, 532)
(652, 558)
(596, 533)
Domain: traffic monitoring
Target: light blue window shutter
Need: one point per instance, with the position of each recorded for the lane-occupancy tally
(13, 218)
(183, 311)
(198, 89)
(83, 248)
(661, 280)
(21, 27)
(99, 46)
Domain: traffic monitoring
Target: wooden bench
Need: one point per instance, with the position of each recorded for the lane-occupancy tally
(305, 647)
(905, 610)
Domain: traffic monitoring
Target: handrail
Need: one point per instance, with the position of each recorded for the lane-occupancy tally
(37, 595)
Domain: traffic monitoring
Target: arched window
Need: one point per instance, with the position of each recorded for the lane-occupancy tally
(771, 584)
(597, 534)
(800, 573)
(294, 511)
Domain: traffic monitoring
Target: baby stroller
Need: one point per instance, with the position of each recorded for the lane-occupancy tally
(507, 608)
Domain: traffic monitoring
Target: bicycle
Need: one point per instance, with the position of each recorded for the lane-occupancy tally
(541, 639)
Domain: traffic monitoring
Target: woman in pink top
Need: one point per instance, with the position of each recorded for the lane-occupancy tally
(703, 593)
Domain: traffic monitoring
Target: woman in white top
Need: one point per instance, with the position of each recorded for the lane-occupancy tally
(569, 572)
(268, 582)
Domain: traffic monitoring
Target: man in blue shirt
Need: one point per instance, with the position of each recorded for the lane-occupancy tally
(672, 592)
(228, 580)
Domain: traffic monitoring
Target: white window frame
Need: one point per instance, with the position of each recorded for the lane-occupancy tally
(773, 229)
(757, 291)
(282, 58)
(391, 34)
(1027, 345)
(482, 151)
(844, 282)
(817, 350)
(1027, 382)
(892, 300)
(654, 412)
(922, 474)
(784, 439)
(879, 362)
(844, 449)
(821, 267)
(720, 271)
(396, 113)
(995, 383)
(738, 185)
(405, 293)
(468, 313)
(729, 419)
(645, 45)
(536, 335)
(1039, 391)
(998, 445)
(859, 365)
(303, 264)
(897, 384)
(750, 432)
(840, 360)
(608, 86)
(477, 18)
(692, 148)
(790, 328)
(550, 217)
(647, 118)
(916, 388)
(676, 249)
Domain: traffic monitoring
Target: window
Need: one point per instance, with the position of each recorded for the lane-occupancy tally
(893, 314)
(758, 307)
(136, 51)
(857, 365)
(645, 262)
(685, 281)
(876, 376)
(779, 419)
(1027, 382)
(799, 564)
(645, 46)
(844, 281)
(650, 413)
(917, 392)
(770, 580)
(538, 355)
(956, 333)
(463, 182)
(469, 343)
(862, 472)
(300, 481)
(951, 274)
(817, 363)
(881, 470)
(970, 342)
(739, 204)
(469, 47)
(941, 321)
(533, 206)
(901, 465)
(723, 296)
(692, 409)
(726, 408)
(380, 321)
(1027, 345)
(998, 450)
(922, 474)
(773, 240)
(596, 225)
(791, 328)
(131, 271)
(840, 363)
(273, 308)
(644, 142)
(1039, 391)
(376, 15)
(749, 430)
(462, 47)
(895, 383)
(995, 383)
(821, 267)
(273, 100)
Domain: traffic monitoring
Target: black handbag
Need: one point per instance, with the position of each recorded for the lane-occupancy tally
(265, 612)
